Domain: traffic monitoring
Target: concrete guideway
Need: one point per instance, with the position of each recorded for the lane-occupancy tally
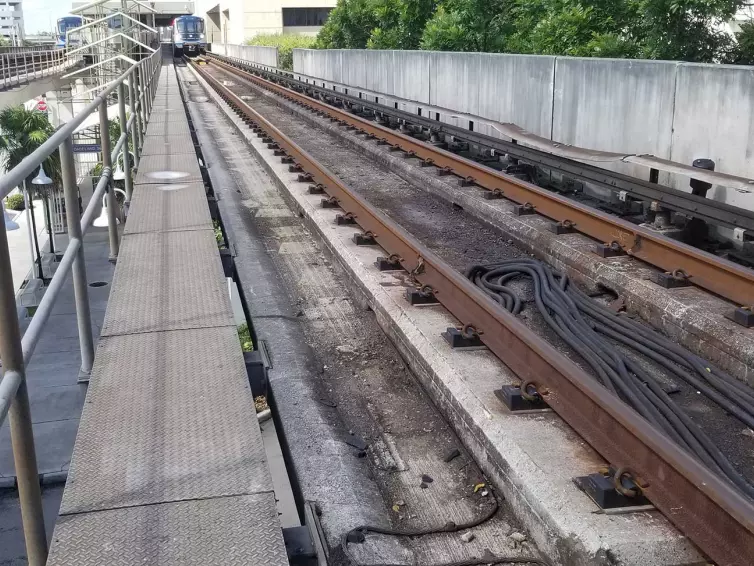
(661, 549)
(169, 465)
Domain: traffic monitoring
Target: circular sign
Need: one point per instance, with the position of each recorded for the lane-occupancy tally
(42, 106)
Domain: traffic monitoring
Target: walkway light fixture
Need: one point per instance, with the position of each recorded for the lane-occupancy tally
(9, 223)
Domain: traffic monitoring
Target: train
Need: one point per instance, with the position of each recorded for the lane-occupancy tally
(188, 36)
(67, 23)
(64, 24)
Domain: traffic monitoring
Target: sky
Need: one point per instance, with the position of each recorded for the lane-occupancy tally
(41, 15)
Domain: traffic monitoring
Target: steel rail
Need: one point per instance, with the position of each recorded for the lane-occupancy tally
(703, 506)
(722, 277)
(715, 212)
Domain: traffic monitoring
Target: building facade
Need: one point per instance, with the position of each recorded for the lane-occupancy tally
(12, 21)
(233, 21)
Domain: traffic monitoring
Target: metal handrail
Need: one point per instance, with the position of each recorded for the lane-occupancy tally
(16, 351)
(17, 68)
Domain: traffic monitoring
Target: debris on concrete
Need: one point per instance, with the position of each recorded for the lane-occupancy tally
(260, 404)
(427, 479)
(452, 455)
(467, 537)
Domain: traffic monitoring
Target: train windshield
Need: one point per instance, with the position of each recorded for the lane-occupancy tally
(64, 24)
(190, 26)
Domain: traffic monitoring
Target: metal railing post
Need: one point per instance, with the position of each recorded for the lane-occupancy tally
(137, 119)
(139, 92)
(22, 435)
(73, 219)
(147, 89)
(112, 225)
(124, 129)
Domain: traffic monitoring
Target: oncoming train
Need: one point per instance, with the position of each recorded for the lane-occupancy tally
(188, 36)
(65, 24)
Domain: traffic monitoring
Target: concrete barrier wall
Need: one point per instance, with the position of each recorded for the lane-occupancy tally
(677, 111)
(255, 53)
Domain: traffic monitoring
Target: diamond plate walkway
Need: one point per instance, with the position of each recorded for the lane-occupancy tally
(169, 465)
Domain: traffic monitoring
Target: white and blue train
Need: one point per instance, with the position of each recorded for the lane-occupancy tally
(188, 36)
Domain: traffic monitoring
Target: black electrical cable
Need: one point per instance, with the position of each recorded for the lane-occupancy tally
(359, 532)
(591, 330)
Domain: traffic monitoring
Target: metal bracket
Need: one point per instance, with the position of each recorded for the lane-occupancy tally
(601, 488)
(743, 316)
(466, 339)
(671, 280)
(365, 239)
(512, 398)
(391, 263)
(421, 297)
(316, 189)
(608, 250)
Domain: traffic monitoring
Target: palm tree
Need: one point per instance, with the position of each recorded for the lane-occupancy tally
(21, 132)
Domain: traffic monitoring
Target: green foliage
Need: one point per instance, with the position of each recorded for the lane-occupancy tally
(219, 237)
(21, 132)
(15, 202)
(285, 43)
(244, 336)
(743, 52)
(376, 24)
(654, 29)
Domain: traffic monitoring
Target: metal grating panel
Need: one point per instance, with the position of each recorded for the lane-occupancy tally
(174, 145)
(169, 416)
(182, 168)
(230, 531)
(167, 281)
(168, 129)
(164, 208)
(160, 115)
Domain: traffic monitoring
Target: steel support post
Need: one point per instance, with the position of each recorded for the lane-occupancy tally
(124, 151)
(73, 218)
(137, 120)
(19, 415)
(112, 223)
(144, 88)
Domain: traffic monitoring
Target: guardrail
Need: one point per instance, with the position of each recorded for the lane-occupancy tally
(24, 66)
(26, 48)
(15, 351)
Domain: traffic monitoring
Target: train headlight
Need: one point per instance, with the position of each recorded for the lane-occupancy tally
(201, 36)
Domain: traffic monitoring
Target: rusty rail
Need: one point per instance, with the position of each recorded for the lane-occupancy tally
(704, 507)
(725, 278)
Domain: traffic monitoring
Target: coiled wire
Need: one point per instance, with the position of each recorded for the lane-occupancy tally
(590, 328)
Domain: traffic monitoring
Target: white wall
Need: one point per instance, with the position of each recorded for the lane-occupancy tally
(248, 18)
(255, 53)
(673, 110)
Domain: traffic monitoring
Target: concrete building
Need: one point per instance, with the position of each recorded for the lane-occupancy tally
(233, 21)
(12, 21)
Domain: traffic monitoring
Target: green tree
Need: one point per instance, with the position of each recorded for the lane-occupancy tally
(22, 131)
(285, 43)
(469, 25)
(686, 30)
(349, 25)
(742, 53)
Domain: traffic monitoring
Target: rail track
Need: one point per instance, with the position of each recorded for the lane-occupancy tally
(720, 276)
(715, 516)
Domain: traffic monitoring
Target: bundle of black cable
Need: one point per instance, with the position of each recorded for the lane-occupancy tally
(592, 331)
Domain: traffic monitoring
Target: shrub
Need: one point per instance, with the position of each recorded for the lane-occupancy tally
(244, 336)
(285, 43)
(15, 202)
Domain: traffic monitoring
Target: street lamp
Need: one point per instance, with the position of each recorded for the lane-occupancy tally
(42, 180)
(102, 220)
(9, 223)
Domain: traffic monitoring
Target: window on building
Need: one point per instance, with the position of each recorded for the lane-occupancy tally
(302, 17)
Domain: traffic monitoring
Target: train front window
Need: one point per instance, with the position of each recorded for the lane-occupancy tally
(190, 26)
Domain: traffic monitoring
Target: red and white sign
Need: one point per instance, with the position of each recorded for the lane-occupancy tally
(42, 106)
